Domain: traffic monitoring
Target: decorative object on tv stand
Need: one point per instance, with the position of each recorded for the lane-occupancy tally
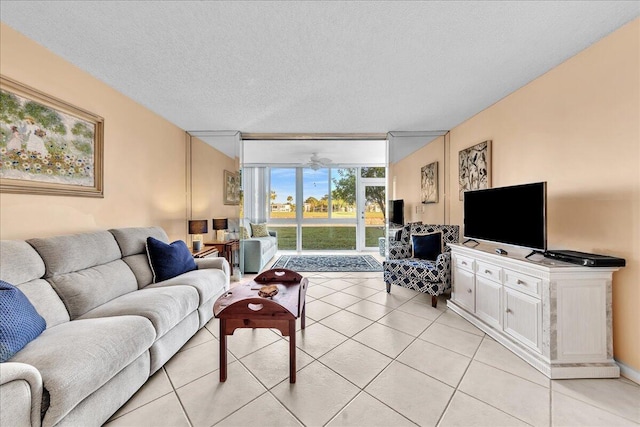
(220, 225)
(474, 167)
(429, 183)
(198, 227)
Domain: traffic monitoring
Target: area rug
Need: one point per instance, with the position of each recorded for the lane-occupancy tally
(302, 263)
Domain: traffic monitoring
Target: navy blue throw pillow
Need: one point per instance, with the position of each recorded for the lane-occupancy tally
(20, 323)
(427, 246)
(169, 260)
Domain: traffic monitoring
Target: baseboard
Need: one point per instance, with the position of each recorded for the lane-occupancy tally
(628, 372)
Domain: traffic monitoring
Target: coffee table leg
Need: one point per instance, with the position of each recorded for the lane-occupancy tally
(223, 351)
(292, 351)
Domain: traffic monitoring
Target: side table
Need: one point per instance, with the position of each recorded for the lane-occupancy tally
(206, 253)
(228, 249)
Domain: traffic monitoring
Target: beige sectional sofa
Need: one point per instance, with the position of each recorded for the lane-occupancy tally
(109, 328)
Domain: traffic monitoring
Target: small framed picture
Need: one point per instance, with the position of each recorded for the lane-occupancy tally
(231, 190)
(429, 183)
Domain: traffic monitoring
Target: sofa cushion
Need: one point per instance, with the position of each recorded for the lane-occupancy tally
(46, 301)
(244, 233)
(426, 246)
(20, 323)
(169, 260)
(207, 282)
(20, 262)
(266, 243)
(64, 254)
(164, 307)
(23, 267)
(133, 240)
(259, 230)
(77, 358)
(133, 244)
(84, 290)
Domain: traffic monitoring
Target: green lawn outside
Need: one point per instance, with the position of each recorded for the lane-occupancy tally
(371, 217)
(325, 237)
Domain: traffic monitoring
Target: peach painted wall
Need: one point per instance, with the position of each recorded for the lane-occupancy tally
(578, 128)
(407, 172)
(144, 155)
(207, 177)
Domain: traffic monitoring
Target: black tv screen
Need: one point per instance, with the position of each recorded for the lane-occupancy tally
(396, 213)
(516, 215)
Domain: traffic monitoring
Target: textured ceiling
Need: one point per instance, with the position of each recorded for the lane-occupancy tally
(311, 67)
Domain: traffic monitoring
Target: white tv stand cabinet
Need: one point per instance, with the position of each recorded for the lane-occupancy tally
(554, 315)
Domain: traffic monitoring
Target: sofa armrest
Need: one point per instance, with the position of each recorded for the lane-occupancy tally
(21, 391)
(219, 263)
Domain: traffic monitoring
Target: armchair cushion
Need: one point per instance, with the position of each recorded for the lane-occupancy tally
(427, 246)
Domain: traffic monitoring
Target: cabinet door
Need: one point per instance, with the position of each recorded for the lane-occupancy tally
(488, 301)
(463, 288)
(523, 318)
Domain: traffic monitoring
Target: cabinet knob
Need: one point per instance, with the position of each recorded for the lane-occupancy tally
(487, 272)
(508, 310)
(520, 282)
(463, 263)
(469, 290)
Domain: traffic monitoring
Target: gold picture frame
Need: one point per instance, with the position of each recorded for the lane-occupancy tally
(231, 190)
(47, 145)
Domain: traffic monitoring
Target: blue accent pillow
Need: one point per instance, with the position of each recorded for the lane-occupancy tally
(427, 246)
(169, 260)
(20, 323)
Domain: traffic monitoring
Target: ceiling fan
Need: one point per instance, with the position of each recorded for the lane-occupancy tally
(316, 162)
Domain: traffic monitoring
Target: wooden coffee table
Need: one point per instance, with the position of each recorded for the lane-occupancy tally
(242, 307)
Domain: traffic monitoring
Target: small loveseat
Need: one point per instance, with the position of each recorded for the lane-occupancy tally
(109, 327)
(431, 276)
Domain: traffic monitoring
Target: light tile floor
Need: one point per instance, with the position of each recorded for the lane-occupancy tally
(368, 358)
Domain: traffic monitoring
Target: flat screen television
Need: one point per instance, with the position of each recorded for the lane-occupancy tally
(396, 212)
(515, 215)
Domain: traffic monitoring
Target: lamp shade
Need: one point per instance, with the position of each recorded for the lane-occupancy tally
(220, 223)
(198, 226)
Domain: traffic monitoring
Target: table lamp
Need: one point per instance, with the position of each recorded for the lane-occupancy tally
(198, 227)
(220, 225)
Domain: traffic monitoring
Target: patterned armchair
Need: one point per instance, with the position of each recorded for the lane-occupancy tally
(433, 277)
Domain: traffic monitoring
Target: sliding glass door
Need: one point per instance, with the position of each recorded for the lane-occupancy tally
(371, 224)
(327, 208)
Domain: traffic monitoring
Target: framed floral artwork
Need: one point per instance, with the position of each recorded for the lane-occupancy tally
(231, 190)
(48, 146)
(474, 168)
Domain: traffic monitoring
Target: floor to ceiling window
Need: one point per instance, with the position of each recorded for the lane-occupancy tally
(323, 194)
(327, 208)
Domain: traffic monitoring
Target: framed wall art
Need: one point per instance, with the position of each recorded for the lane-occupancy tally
(474, 168)
(429, 183)
(48, 146)
(231, 190)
